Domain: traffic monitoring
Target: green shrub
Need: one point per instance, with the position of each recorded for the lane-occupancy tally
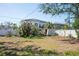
(71, 53)
(28, 30)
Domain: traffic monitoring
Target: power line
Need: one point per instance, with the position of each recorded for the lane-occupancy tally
(31, 13)
(10, 17)
(20, 18)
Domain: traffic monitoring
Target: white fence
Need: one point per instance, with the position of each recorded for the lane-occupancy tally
(62, 32)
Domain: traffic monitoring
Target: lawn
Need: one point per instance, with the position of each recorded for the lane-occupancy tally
(49, 43)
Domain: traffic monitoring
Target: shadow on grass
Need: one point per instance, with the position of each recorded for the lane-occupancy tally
(32, 50)
(26, 51)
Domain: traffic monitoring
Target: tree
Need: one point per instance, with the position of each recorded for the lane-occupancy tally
(28, 29)
(35, 30)
(72, 9)
(14, 26)
(8, 25)
(25, 29)
(1, 26)
(48, 25)
(11, 25)
(76, 26)
(60, 8)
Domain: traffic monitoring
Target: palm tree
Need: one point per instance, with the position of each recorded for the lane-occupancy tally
(48, 25)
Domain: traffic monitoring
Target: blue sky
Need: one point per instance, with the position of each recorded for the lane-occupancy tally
(10, 12)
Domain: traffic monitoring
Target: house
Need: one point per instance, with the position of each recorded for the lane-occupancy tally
(57, 29)
(5, 30)
(40, 24)
(36, 22)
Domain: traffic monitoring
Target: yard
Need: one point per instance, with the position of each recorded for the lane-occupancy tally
(52, 43)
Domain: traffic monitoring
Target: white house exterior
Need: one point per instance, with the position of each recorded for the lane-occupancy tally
(59, 32)
(36, 22)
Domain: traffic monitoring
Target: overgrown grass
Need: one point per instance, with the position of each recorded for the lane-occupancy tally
(27, 51)
(71, 53)
(33, 51)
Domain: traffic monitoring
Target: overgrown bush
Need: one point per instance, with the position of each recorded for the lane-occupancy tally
(27, 29)
(35, 30)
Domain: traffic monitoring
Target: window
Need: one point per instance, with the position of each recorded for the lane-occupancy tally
(36, 24)
(41, 26)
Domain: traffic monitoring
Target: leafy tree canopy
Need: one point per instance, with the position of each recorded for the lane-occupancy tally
(76, 24)
(59, 8)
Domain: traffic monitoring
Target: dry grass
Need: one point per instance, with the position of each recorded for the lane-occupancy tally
(50, 43)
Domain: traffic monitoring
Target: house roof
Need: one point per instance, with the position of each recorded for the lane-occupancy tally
(42, 21)
(35, 20)
(58, 24)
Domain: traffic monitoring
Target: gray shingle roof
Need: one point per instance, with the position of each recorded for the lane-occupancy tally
(35, 20)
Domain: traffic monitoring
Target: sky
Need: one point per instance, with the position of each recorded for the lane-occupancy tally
(15, 12)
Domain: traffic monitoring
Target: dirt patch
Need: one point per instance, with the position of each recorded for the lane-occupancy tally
(58, 43)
